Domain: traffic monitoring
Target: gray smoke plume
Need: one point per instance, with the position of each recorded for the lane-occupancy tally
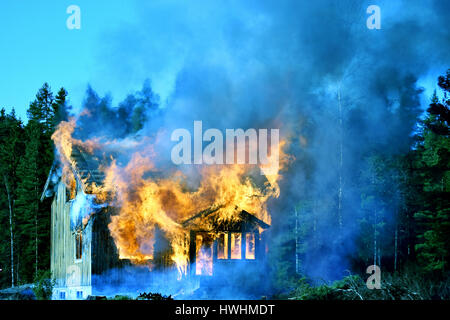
(287, 65)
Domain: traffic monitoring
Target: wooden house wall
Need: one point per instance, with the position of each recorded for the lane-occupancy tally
(105, 255)
(66, 270)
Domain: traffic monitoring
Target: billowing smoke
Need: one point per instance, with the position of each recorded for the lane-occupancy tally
(300, 66)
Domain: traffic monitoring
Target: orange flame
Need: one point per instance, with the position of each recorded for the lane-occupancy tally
(147, 200)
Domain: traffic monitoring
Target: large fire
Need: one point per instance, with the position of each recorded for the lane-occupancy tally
(148, 199)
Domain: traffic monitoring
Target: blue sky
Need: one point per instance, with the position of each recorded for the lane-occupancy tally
(123, 42)
(37, 47)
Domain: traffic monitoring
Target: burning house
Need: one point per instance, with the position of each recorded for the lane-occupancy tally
(115, 221)
(83, 247)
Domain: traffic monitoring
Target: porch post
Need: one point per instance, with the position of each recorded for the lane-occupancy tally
(243, 244)
(192, 251)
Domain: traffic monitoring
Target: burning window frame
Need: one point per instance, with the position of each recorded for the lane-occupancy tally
(248, 229)
(78, 245)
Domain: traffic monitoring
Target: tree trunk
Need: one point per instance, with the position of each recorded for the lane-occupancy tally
(18, 268)
(340, 159)
(375, 219)
(395, 247)
(36, 231)
(375, 245)
(379, 257)
(36, 243)
(375, 239)
(296, 242)
(10, 229)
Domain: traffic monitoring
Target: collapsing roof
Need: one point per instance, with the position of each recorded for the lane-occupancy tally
(86, 170)
(87, 166)
(210, 217)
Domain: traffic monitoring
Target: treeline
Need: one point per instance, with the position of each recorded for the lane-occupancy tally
(26, 156)
(417, 186)
(390, 208)
(430, 179)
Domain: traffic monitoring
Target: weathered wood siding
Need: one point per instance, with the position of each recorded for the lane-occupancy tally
(66, 270)
(105, 255)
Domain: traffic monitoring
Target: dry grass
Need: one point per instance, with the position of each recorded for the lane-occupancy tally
(407, 285)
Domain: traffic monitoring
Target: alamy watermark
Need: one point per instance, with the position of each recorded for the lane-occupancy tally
(73, 274)
(374, 20)
(241, 147)
(74, 20)
(374, 281)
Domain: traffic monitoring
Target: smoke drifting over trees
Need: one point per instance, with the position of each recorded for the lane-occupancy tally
(332, 86)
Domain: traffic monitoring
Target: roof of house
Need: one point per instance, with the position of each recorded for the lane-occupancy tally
(86, 169)
(211, 215)
(87, 166)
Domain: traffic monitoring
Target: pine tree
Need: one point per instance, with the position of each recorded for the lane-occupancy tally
(147, 104)
(33, 217)
(61, 109)
(11, 147)
(42, 109)
(433, 164)
(28, 201)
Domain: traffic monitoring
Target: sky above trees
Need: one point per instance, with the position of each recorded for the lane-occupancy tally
(123, 42)
(37, 47)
